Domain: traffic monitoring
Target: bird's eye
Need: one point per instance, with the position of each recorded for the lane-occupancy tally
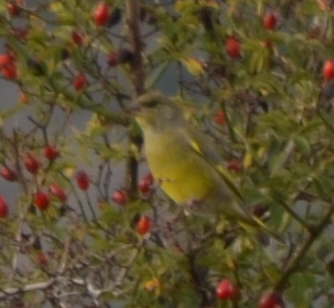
(151, 104)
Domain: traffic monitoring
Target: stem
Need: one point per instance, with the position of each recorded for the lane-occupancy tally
(137, 74)
(294, 215)
(296, 258)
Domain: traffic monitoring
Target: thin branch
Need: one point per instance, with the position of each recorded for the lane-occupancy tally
(137, 74)
(133, 22)
(301, 251)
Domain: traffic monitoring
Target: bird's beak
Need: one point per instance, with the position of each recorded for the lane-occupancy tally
(135, 109)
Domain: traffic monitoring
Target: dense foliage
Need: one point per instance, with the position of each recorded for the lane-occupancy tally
(83, 225)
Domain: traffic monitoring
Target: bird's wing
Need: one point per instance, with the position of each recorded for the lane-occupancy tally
(204, 147)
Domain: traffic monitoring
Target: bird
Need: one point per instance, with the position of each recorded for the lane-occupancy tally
(187, 167)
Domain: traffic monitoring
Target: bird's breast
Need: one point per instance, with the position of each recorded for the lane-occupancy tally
(182, 173)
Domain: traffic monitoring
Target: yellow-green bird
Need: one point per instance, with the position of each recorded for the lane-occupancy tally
(186, 165)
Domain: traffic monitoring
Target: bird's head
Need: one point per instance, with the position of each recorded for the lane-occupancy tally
(158, 112)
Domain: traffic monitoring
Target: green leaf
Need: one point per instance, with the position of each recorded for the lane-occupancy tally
(155, 76)
(278, 160)
(302, 145)
(299, 293)
(273, 272)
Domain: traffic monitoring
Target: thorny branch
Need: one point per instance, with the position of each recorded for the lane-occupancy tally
(301, 251)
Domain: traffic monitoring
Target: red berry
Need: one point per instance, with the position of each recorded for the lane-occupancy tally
(112, 58)
(9, 71)
(145, 183)
(101, 13)
(3, 208)
(13, 9)
(5, 59)
(226, 290)
(233, 47)
(269, 300)
(269, 21)
(144, 187)
(20, 33)
(41, 200)
(31, 163)
(8, 174)
(220, 117)
(268, 44)
(144, 225)
(328, 69)
(78, 37)
(234, 165)
(50, 152)
(80, 82)
(82, 180)
(41, 259)
(58, 192)
(120, 197)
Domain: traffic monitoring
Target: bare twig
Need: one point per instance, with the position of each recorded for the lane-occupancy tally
(301, 251)
(137, 74)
